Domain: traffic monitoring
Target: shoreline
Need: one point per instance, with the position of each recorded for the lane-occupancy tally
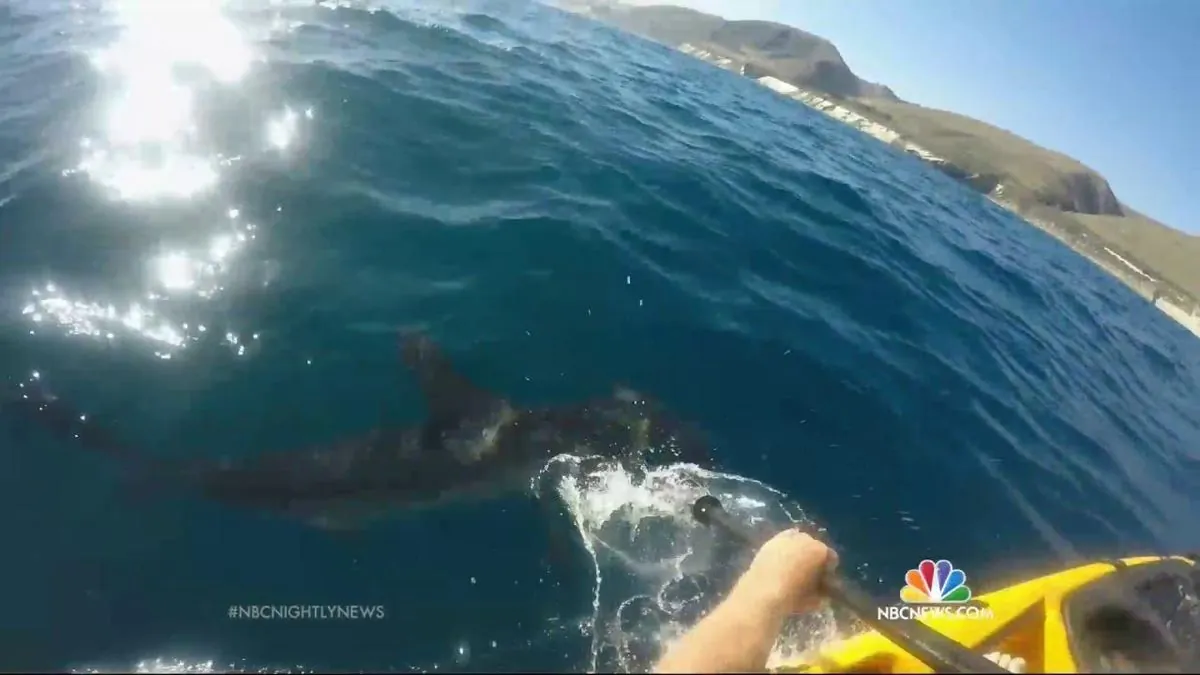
(1104, 257)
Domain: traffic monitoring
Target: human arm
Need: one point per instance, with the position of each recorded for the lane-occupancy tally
(737, 636)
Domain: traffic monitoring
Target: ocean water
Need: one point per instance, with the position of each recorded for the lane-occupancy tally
(214, 219)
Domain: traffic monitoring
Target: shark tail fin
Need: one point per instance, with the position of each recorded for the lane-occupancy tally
(34, 405)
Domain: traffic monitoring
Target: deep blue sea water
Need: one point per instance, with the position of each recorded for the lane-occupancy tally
(215, 218)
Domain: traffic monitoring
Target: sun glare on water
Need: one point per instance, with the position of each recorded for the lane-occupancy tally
(151, 146)
(148, 148)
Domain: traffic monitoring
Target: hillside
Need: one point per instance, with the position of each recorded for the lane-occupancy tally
(1056, 192)
(1051, 187)
(1041, 175)
(771, 48)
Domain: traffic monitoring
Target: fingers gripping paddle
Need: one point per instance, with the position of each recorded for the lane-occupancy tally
(936, 650)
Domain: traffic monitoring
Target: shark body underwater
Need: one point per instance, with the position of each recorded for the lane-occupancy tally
(472, 444)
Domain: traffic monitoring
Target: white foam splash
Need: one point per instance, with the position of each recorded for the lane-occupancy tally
(656, 569)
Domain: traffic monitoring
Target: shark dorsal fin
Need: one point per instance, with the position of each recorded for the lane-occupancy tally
(449, 395)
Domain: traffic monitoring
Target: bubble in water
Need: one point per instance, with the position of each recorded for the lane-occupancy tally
(657, 571)
(462, 654)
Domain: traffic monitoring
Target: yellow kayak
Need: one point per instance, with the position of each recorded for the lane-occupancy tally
(1130, 615)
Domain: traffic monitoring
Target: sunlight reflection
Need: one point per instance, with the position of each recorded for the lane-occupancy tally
(153, 142)
(159, 35)
(81, 317)
(134, 178)
(282, 129)
(50, 305)
(199, 272)
(176, 272)
(149, 149)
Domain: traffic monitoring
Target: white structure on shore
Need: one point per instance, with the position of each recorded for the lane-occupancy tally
(705, 55)
(808, 98)
(863, 124)
(779, 85)
(1189, 320)
(1130, 265)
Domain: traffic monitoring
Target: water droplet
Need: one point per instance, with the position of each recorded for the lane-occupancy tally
(462, 654)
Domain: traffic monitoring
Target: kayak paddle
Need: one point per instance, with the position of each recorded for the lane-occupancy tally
(936, 650)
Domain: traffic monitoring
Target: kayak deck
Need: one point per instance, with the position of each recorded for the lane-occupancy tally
(1134, 612)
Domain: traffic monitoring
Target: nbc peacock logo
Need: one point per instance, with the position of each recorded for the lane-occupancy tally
(935, 582)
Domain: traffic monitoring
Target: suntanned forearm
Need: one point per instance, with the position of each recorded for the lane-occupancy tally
(736, 637)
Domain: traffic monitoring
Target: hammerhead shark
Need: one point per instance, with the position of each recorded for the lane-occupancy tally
(472, 444)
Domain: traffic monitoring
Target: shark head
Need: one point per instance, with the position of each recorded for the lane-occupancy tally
(657, 436)
(625, 426)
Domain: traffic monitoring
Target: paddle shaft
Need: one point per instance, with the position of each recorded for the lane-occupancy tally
(934, 649)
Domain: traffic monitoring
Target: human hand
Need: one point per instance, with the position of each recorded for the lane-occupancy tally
(789, 571)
